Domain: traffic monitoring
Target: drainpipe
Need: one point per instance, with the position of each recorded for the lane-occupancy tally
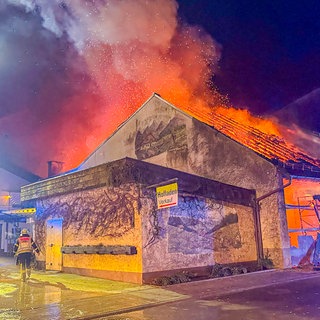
(257, 213)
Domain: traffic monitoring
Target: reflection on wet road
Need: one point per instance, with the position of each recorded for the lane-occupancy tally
(23, 300)
(280, 295)
(294, 300)
(59, 296)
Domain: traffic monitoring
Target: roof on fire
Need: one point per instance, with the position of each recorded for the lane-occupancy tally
(271, 147)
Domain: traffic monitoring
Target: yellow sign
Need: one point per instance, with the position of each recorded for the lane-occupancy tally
(167, 196)
(21, 211)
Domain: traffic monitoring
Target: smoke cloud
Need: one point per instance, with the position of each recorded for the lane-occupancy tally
(72, 71)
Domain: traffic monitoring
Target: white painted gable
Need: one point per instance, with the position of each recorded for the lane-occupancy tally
(150, 123)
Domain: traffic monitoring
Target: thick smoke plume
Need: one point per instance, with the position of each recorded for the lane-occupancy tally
(72, 71)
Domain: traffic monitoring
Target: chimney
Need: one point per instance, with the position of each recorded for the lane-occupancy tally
(54, 168)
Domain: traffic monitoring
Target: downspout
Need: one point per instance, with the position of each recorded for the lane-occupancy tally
(257, 214)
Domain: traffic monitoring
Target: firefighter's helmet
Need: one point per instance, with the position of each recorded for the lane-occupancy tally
(24, 231)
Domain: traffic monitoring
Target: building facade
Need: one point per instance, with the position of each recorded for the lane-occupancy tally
(104, 222)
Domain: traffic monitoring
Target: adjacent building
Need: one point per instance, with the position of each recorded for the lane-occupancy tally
(12, 217)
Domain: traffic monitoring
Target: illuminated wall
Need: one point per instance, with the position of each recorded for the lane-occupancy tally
(102, 216)
(4, 200)
(301, 216)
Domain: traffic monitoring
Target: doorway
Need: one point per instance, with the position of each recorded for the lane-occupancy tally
(54, 244)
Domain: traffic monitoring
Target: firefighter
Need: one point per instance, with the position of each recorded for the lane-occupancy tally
(23, 249)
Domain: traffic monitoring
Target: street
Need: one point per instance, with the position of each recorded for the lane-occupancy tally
(274, 294)
(289, 301)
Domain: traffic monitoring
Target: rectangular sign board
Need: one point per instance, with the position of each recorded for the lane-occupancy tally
(20, 211)
(167, 196)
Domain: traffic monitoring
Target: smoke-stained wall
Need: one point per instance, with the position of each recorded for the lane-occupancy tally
(156, 133)
(198, 232)
(213, 155)
(162, 134)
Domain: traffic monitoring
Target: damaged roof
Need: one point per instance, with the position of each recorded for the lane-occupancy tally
(270, 146)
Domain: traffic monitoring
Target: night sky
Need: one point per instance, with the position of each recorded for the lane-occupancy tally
(270, 50)
(72, 71)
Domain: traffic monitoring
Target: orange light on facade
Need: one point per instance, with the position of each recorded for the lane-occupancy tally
(5, 200)
(302, 217)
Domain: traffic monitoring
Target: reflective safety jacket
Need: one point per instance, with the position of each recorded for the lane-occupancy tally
(25, 244)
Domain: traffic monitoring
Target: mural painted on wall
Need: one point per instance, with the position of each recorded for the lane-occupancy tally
(160, 137)
(200, 225)
(97, 213)
(197, 225)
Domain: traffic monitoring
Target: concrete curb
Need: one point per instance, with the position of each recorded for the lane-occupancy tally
(218, 287)
(127, 310)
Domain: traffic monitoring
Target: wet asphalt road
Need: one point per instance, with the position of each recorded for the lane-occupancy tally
(287, 301)
(276, 294)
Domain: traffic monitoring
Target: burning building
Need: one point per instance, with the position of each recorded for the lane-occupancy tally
(238, 189)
